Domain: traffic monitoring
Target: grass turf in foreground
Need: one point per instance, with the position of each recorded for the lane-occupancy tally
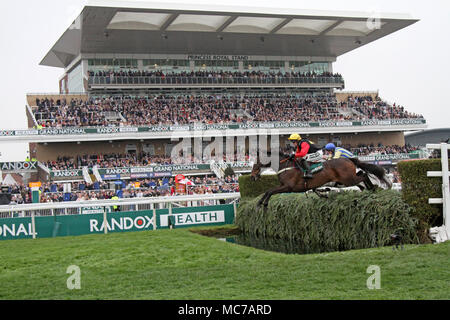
(178, 264)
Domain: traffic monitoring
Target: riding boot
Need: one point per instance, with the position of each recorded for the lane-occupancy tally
(305, 165)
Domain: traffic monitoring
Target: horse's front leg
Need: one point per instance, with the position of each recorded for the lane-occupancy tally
(368, 183)
(260, 202)
(280, 189)
(320, 194)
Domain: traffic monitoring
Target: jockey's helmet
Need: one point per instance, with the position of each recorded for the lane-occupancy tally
(330, 146)
(295, 136)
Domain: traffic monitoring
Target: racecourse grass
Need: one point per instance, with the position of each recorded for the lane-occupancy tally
(179, 264)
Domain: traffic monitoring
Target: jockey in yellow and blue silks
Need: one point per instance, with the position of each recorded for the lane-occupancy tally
(338, 152)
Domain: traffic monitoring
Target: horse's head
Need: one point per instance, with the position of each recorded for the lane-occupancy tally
(256, 171)
(257, 167)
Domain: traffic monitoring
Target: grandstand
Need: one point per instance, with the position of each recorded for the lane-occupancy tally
(139, 76)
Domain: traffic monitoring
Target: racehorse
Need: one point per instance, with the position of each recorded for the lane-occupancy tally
(342, 171)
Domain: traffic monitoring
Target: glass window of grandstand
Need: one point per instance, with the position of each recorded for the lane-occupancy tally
(111, 64)
(217, 65)
(307, 67)
(264, 66)
(111, 70)
(166, 65)
(75, 80)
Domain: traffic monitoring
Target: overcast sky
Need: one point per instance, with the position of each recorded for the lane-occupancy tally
(410, 67)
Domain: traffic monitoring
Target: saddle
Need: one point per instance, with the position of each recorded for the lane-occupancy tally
(315, 166)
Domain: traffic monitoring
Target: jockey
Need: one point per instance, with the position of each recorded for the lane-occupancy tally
(305, 151)
(337, 152)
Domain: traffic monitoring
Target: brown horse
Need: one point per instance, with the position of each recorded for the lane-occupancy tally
(341, 171)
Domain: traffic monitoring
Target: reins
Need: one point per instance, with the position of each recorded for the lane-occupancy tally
(290, 168)
(285, 169)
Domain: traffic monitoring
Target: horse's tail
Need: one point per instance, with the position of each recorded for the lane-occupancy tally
(373, 169)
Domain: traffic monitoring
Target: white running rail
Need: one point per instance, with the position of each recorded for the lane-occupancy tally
(86, 175)
(445, 200)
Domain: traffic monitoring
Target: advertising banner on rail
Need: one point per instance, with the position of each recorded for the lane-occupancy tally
(16, 228)
(18, 166)
(156, 171)
(196, 127)
(389, 157)
(196, 216)
(88, 223)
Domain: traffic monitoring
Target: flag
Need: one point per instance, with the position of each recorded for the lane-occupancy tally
(186, 182)
(179, 177)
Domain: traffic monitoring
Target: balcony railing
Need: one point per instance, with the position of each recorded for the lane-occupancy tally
(210, 81)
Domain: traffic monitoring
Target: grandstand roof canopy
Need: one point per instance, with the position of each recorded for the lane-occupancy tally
(122, 27)
(421, 138)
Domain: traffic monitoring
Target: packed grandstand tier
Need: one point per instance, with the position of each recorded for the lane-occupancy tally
(142, 77)
(212, 74)
(166, 109)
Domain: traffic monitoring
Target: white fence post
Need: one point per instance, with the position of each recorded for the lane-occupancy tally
(445, 200)
(170, 215)
(33, 224)
(445, 188)
(105, 221)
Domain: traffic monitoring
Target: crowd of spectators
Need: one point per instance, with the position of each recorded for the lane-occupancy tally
(121, 160)
(142, 159)
(368, 108)
(210, 109)
(108, 76)
(61, 163)
(61, 113)
(364, 150)
(81, 191)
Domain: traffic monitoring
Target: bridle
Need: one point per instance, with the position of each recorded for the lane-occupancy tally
(282, 170)
(285, 169)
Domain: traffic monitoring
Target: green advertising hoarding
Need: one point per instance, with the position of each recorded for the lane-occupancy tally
(16, 228)
(150, 171)
(79, 224)
(389, 157)
(202, 127)
(196, 216)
